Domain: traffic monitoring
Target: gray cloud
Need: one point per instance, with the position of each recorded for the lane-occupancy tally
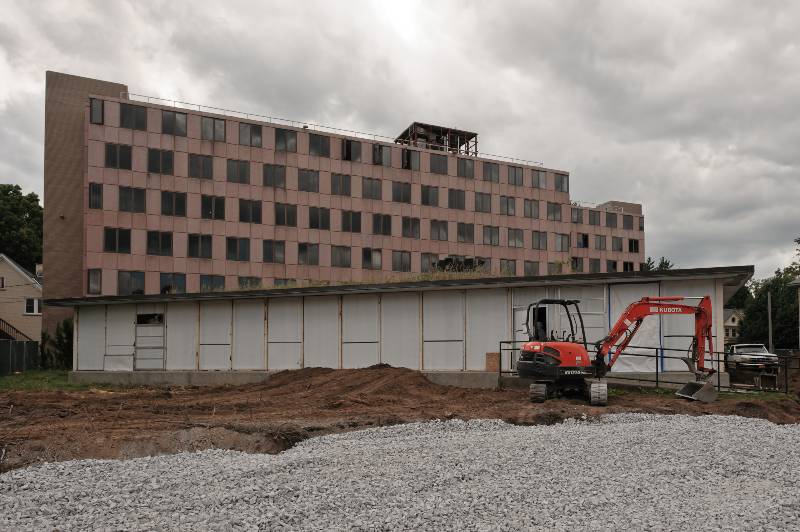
(689, 108)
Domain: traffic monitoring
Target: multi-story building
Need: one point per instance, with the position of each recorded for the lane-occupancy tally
(148, 198)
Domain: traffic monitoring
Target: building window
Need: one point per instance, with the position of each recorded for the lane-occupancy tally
(582, 241)
(249, 283)
(401, 261)
(611, 219)
(96, 111)
(508, 267)
(439, 230)
(554, 211)
(562, 242)
(286, 214)
(94, 281)
(132, 116)
(130, 283)
(611, 266)
(483, 264)
(371, 259)
(594, 265)
(212, 129)
(308, 180)
(562, 182)
(465, 232)
(212, 207)
(466, 168)
(515, 175)
(491, 172)
(173, 203)
(576, 264)
(95, 195)
(554, 268)
(237, 248)
(531, 208)
(212, 283)
(410, 160)
(456, 199)
(515, 238)
(159, 161)
(483, 202)
(340, 256)
(201, 166)
(308, 254)
(508, 205)
(430, 196)
(616, 243)
(274, 175)
(641, 224)
(173, 123)
(172, 283)
(627, 221)
(250, 211)
(159, 243)
(319, 218)
(371, 188)
(319, 145)
(428, 262)
(199, 246)
(410, 227)
(627, 266)
(381, 224)
(118, 156)
(131, 199)
(594, 217)
(600, 242)
(633, 245)
(531, 267)
(381, 155)
(340, 184)
(274, 251)
(539, 239)
(238, 171)
(438, 164)
(351, 221)
(250, 135)
(351, 150)
(491, 235)
(577, 215)
(539, 179)
(401, 192)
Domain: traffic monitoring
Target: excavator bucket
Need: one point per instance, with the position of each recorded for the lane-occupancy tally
(698, 391)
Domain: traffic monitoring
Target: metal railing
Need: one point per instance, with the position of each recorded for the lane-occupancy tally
(302, 124)
(787, 365)
(12, 332)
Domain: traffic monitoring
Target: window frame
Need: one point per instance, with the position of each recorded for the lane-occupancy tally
(204, 246)
(273, 251)
(319, 145)
(371, 188)
(216, 204)
(204, 164)
(341, 184)
(252, 133)
(435, 164)
(217, 126)
(285, 140)
(273, 175)
(465, 167)
(159, 243)
(401, 192)
(307, 254)
(96, 196)
(285, 214)
(410, 227)
(174, 129)
(508, 205)
(493, 232)
(240, 247)
(319, 218)
(93, 119)
(340, 259)
(429, 195)
(135, 279)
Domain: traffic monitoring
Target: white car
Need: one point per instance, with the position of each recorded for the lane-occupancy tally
(753, 357)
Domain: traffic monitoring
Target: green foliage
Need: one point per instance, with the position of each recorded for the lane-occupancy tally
(51, 379)
(56, 351)
(741, 298)
(784, 310)
(662, 265)
(20, 226)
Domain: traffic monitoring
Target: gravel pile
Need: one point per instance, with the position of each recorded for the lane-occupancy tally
(627, 471)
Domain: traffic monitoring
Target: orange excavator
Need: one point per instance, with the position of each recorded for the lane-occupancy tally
(560, 362)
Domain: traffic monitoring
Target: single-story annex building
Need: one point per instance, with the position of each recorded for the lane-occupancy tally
(438, 327)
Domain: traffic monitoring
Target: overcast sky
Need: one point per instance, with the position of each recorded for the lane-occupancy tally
(691, 108)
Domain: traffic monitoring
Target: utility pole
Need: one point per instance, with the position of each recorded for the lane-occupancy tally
(769, 320)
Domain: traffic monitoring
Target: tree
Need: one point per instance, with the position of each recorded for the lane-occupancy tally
(663, 264)
(784, 310)
(740, 299)
(20, 226)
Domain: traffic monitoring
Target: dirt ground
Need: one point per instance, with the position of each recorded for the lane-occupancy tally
(40, 426)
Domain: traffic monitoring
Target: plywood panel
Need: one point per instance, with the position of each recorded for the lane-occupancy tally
(360, 355)
(487, 324)
(285, 356)
(118, 363)
(361, 318)
(321, 332)
(400, 330)
(215, 335)
(120, 329)
(181, 330)
(248, 335)
(443, 316)
(91, 337)
(285, 320)
(215, 357)
(443, 356)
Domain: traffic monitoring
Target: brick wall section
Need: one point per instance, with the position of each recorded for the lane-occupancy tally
(66, 105)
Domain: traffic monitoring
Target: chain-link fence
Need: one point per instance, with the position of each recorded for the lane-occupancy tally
(18, 356)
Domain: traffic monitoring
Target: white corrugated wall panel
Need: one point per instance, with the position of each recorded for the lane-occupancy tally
(215, 335)
(594, 309)
(649, 336)
(360, 331)
(120, 337)
(683, 324)
(487, 324)
(321, 332)
(181, 323)
(400, 330)
(91, 337)
(284, 333)
(443, 330)
(248, 335)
